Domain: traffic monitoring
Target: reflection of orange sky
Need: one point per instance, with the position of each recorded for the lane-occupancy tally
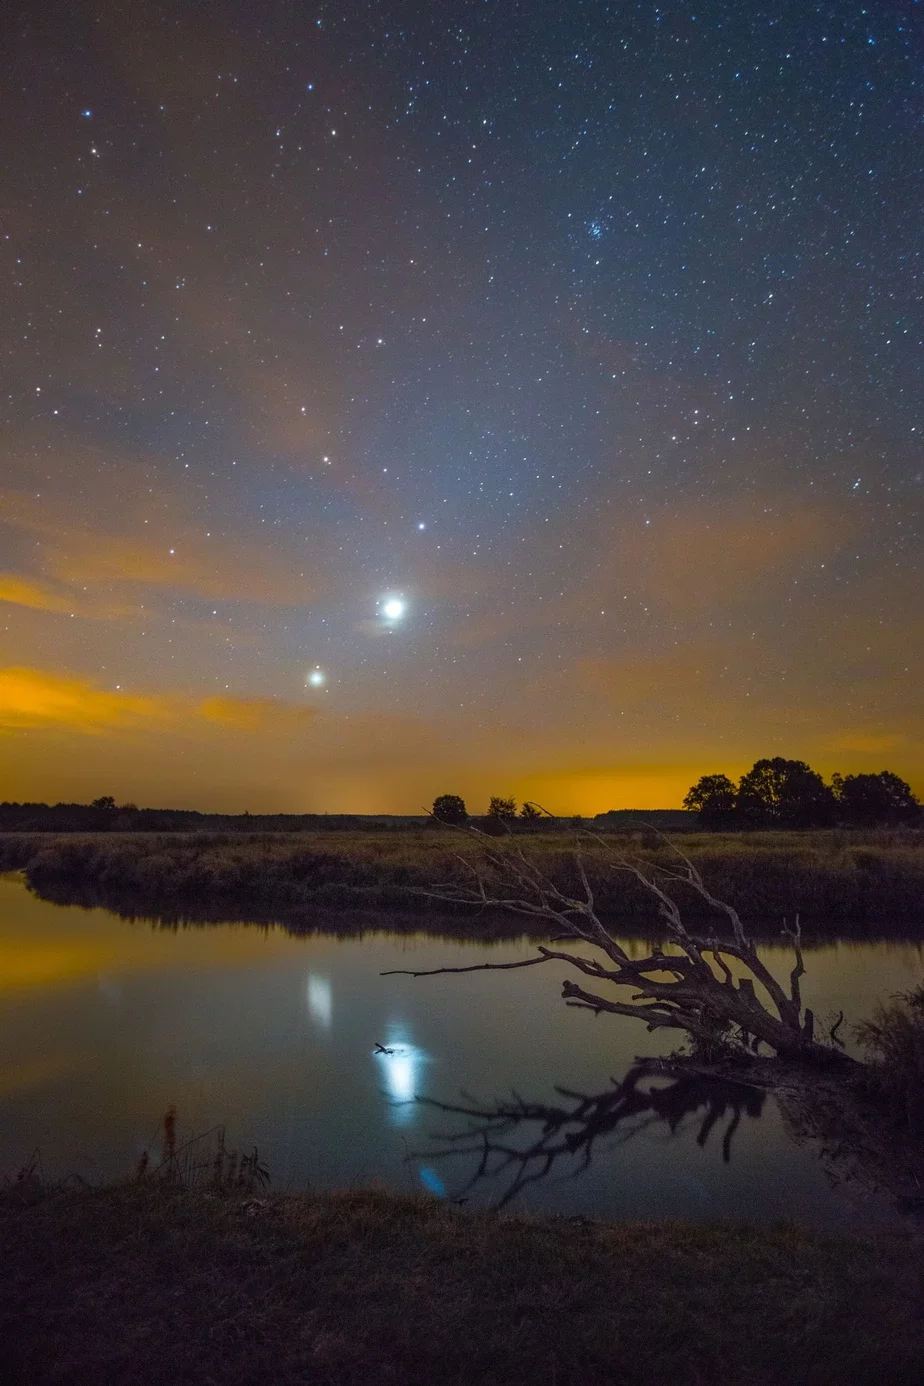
(41, 948)
(25, 964)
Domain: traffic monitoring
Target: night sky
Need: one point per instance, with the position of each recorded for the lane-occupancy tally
(544, 378)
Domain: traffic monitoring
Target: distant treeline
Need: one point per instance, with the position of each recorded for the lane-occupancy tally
(788, 794)
(106, 816)
(838, 883)
(776, 794)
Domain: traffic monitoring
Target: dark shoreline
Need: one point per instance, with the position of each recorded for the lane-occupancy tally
(319, 918)
(841, 885)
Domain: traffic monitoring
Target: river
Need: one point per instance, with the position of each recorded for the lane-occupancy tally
(105, 1023)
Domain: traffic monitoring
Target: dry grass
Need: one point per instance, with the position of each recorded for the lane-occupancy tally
(837, 881)
(894, 1041)
(146, 1284)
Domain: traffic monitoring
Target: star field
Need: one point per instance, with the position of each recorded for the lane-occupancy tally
(546, 377)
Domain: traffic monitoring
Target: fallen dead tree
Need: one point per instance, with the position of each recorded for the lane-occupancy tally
(717, 990)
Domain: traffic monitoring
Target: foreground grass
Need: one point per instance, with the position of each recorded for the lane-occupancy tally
(836, 881)
(144, 1284)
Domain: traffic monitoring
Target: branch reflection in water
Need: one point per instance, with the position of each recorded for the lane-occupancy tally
(648, 1095)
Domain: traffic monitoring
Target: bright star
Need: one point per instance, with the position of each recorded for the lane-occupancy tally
(393, 609)
(316, 678)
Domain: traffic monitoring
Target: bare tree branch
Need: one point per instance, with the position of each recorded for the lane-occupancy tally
(476, 967)
(799, 969)
(692, 988)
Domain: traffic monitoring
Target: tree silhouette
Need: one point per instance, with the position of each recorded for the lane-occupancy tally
(866, 800)
(450, 808)
(781, 793)
(715, 799)
(502, 808)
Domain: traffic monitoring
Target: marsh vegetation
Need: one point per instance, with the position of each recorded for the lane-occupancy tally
(838, 882)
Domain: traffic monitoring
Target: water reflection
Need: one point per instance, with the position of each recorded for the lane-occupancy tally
(432, 1182)
(320, 1001)
(104, 1025)
(400, 1062)
(568, 1134)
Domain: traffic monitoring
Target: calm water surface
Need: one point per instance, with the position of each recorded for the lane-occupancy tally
(104, 1024)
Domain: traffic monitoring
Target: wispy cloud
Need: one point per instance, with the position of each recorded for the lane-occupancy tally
(31, 698)
(24, 591)
(36, 698)
(115, 551)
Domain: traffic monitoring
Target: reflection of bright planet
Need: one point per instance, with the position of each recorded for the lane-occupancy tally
(400, 1066)
(316, 678)
(399, 1075)
(393, 608)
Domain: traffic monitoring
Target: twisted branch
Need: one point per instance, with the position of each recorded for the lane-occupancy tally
(682, 990)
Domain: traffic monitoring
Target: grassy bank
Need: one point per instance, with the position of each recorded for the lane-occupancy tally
(145, 1284)
(837, 881)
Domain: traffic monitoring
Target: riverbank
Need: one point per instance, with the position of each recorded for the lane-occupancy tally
(149, 1284)
(838, 882)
